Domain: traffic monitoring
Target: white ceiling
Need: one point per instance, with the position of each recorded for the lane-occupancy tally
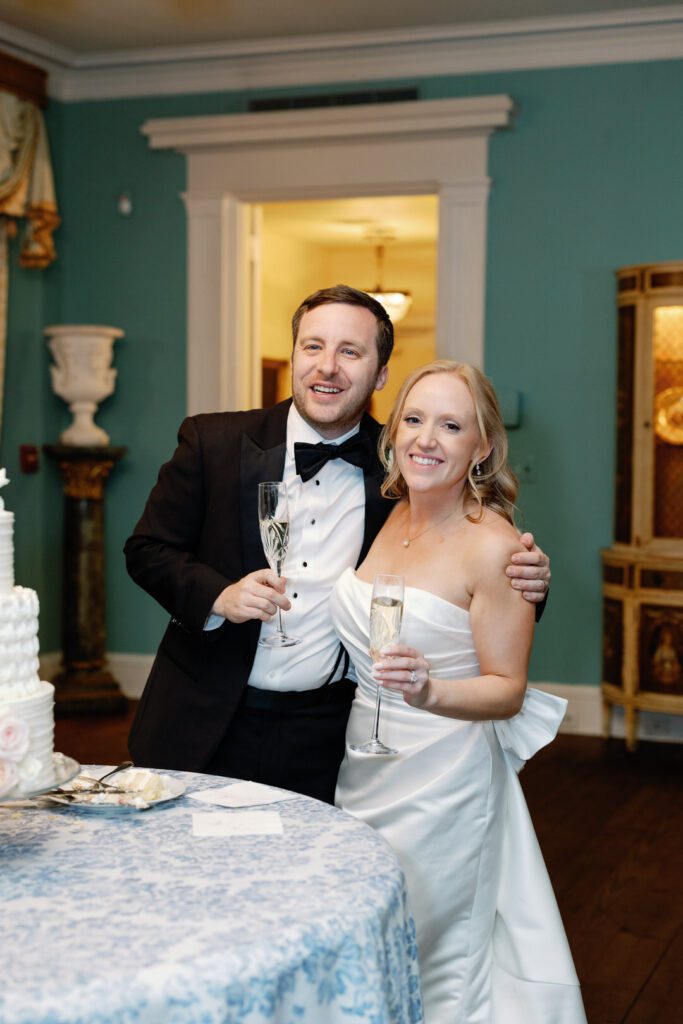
(357, 221)
(97, 26)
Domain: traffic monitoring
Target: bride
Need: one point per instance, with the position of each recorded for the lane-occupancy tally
(490, 940)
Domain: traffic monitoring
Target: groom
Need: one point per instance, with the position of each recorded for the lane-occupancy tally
(215, 701)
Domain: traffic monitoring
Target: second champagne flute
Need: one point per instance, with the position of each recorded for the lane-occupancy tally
(273, 517)
(386, 612)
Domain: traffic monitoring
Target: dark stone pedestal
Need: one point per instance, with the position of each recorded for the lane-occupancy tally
(85, 685)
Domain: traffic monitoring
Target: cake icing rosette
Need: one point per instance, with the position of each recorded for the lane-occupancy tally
(14, 745)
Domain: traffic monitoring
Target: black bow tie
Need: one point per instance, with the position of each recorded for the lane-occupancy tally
(310, 458)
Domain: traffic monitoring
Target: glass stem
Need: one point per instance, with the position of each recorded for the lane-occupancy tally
(278, 570)
(375, 724)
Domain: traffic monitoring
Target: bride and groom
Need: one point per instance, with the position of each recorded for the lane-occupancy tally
(217, 702)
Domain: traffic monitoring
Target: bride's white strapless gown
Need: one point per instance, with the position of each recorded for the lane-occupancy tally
(491, 945)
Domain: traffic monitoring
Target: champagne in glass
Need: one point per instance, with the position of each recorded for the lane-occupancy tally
(274, 537)
(273, 515)
(386, 612)
(385, 623)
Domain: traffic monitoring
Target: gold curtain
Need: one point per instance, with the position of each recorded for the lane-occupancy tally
(26, 192)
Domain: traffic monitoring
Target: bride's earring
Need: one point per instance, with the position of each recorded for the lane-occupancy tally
(478, 471)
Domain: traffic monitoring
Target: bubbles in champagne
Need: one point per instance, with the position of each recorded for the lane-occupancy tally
(275, 537)
(385, 623)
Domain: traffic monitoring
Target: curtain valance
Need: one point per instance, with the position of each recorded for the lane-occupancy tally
(26, 182)
(26, 193)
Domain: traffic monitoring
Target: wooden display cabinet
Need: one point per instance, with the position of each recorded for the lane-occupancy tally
(643, 570)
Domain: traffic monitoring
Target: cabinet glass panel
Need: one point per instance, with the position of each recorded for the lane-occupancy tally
(661, 649)
(667, 334)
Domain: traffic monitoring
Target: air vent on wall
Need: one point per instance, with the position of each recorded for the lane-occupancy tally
(333, 99)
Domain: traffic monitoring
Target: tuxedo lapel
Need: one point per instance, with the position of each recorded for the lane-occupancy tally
(262, 457)
(256, 465)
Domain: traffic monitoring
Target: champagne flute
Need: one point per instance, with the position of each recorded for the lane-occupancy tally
(273, 517)
(386, 612)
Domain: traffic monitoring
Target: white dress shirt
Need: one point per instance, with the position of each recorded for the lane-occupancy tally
(326, 525)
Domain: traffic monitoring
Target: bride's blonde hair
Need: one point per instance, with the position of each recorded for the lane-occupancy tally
(496, 488)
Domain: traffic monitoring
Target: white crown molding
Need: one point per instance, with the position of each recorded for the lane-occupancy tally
(34, 48)
(479, 114)
(643, 34)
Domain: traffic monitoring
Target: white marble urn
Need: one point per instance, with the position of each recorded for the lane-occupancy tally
(83, 376)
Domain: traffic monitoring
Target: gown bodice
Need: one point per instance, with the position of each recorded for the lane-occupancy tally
(439, 629)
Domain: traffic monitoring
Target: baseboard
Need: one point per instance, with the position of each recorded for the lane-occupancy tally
(129, 670)
(584, 708)
(583, 717)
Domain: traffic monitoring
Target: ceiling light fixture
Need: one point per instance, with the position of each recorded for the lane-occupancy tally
(397, 303)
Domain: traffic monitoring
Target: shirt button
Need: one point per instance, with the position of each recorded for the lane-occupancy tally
(317, 483)
(305, 565)
(312, 522)
(295, 595)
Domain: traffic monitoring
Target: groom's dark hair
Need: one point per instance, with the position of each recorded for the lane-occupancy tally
(351, 297)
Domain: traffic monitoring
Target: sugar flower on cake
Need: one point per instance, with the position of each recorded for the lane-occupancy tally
(14, 738)
(9, 776)
(29, 770)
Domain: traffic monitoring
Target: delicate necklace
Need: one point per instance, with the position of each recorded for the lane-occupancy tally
(408, 540)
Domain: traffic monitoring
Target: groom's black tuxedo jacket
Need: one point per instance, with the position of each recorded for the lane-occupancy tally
(198, 533)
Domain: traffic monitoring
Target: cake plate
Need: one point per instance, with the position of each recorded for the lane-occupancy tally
(65, 769)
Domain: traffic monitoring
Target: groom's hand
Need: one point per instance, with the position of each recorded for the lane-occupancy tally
(530, 570)
(255, 596)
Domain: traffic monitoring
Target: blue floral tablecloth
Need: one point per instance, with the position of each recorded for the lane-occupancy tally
(129, 917)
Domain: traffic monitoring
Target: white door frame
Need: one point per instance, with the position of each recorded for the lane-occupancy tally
(432, 147)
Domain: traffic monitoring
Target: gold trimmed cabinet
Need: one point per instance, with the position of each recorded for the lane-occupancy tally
(643, 570)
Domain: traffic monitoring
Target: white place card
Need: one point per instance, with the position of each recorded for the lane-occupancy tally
(245, 823)
(243, 794)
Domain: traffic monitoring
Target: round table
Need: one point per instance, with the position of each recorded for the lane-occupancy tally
(129, 917)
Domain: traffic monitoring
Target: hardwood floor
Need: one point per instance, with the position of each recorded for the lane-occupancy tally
(610, 826)
(95, 739)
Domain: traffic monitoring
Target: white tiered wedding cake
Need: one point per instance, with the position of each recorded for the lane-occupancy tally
(26, 703)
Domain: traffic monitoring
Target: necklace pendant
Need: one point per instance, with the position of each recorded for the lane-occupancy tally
(406, 542)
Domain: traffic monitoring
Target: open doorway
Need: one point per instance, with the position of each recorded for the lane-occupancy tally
(364, 242)
(423, 147)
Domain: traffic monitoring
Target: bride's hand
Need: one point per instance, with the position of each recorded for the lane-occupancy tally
(404, 669)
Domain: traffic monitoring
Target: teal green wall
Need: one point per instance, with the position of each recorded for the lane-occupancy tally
(586, 180)
(24, 402)
(33, 302)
